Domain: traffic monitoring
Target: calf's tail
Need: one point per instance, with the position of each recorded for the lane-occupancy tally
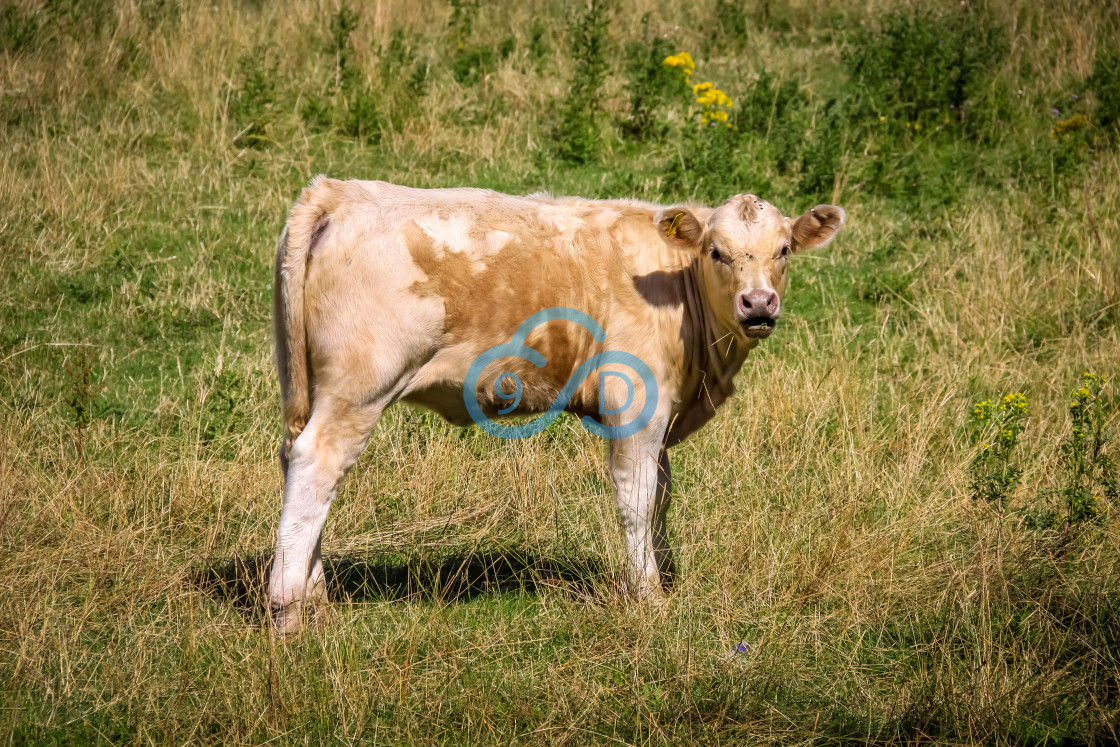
(308, 220)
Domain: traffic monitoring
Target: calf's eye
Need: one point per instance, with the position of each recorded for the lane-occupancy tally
(717, 256)
(785, 251)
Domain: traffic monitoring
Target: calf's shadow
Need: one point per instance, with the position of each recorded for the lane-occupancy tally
(243, 581)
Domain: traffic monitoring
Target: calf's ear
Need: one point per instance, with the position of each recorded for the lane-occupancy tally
(817, 227)
(679, 227)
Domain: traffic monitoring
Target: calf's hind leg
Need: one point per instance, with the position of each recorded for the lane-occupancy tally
(325, 450)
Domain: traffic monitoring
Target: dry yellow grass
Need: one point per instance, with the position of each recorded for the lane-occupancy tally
(824, 518)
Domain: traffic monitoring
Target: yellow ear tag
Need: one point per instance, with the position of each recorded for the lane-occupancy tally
(676, 222)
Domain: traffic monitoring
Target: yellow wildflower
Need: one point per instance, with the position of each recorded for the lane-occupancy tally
(1092, 378)
(1073, 124)
(683, 60)
(1015, 403)
(711, 99)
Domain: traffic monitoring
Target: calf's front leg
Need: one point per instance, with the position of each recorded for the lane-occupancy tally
(661, 549)
(634, 465)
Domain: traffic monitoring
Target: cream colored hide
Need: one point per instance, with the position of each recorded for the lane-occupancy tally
(387, 293)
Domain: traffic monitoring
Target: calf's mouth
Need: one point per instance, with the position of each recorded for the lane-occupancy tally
(758, 327)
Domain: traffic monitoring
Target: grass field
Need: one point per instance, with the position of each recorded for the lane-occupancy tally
(893, 578)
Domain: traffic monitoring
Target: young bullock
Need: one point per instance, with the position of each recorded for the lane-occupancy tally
(461, 300)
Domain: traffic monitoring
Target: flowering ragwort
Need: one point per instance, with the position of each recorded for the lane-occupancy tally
(715, 105)
(997, 428)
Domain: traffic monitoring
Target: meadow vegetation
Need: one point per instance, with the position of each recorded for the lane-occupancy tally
(904, 528)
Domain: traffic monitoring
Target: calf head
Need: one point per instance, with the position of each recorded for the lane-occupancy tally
(744, 247)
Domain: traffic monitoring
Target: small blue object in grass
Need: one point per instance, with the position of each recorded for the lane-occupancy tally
(741, 647)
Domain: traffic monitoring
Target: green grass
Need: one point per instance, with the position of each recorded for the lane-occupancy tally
(150, 153)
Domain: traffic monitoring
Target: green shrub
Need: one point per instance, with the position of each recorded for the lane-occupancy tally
(462, 20)
(711, 162)
(316, 112)
(538, 45)
(1070, 140)
(167, 12)
(82, 19)
(344, 23)
(730, 26)
(771, 99)
(777, 110)
(471, 63)
(360, 117)
(993, 472)
(251, 105)
(650, 84)
(18, 30)
(711, 165)
(771, 16)
(403, 79)
(920, 68)
(1090, 471)
(822, 158)
(578, 132)
(350, 106)
(1104, 82)
(920, 113)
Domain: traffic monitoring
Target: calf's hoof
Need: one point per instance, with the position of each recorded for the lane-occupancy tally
(296, 616)
(646, 595)
(287, 620)
(657, 600)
